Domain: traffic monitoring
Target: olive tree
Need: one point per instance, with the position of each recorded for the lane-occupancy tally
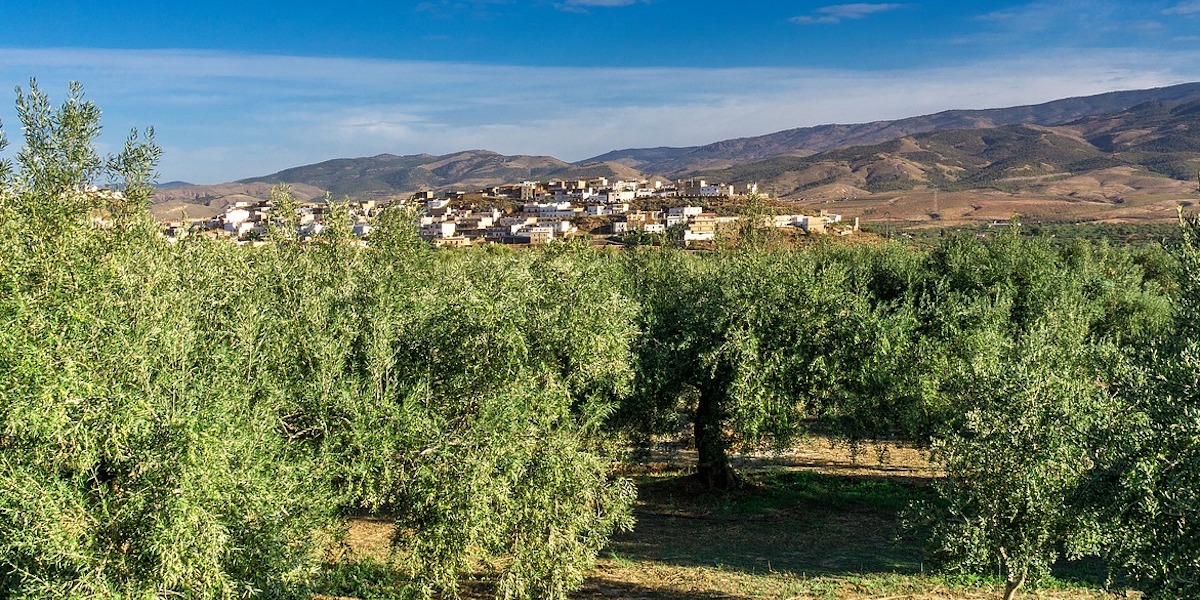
(458, 393)
(743, 345)
(131, 466)
(1144, 486)
(192, 419)
(1015, 452)
(1040, 344)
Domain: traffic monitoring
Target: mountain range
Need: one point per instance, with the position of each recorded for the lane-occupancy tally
(808, 140)
(1115, 150)
(1155, 138)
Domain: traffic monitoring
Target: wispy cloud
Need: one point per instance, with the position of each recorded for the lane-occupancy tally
(582, 6)
(1071, 23)
(831, 15)
(600, 2)
(451, 8)
(223, 116)
(1192, 7)
(1040, 15)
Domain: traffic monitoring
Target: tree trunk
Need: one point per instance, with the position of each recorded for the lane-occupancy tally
(1010, 588)
(1010, 585)
(712, 466)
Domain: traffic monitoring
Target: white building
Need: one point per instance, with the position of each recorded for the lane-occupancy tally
(549, 210)
(234, 218)
(443, 229)
(516, 222)
(685, 211)
(559, 227)
(615, 196)
(539, 234)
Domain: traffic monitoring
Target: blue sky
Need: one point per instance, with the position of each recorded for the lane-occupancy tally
(239, 89)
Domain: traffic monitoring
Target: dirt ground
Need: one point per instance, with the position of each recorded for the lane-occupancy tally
(815, 453)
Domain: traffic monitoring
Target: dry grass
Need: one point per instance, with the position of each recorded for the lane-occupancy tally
(369, 537)
(617, 579)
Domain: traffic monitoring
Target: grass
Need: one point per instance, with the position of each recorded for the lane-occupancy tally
(776, 490)
(794, 521)
(819, 523)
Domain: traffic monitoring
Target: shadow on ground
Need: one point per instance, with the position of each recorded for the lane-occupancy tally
(597, 587)
(802, 523)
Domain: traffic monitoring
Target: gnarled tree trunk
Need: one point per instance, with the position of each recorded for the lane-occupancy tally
(1011, 587)
(713, 466)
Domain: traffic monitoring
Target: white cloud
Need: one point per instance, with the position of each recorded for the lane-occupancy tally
(830, 15)
(224, 116)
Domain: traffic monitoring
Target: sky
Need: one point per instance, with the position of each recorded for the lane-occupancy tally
(243, 89)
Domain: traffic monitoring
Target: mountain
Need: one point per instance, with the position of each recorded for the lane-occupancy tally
(1138, 163)
(612, 170)
(1155, 138)
(809, 140)
(949, 159)
(390, 175)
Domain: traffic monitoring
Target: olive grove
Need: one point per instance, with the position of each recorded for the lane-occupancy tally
(202, 419)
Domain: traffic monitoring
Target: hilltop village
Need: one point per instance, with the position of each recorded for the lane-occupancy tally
(688, 212)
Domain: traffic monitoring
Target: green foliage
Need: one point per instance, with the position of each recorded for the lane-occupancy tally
(637, 237)
(458, 392)
(1037, 340)
(1015, 451)
(1144, 486)
(130, 461)
(755, 231)
(189, 419)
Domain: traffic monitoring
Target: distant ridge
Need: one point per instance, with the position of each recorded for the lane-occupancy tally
(1157, 139)
(389, 175)
(809, 140)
